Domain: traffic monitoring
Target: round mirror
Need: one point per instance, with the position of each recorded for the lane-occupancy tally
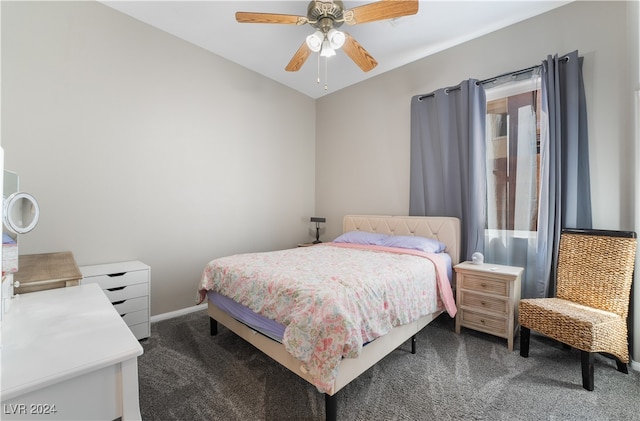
(20, 213)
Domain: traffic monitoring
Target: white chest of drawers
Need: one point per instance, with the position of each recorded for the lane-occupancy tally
(127, 285)
(487, 297)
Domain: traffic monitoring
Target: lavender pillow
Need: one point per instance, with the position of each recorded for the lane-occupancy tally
(428, 245)
(361, 237)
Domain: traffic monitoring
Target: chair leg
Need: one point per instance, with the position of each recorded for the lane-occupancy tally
(525, 334)
(587, 369)
(622, 367)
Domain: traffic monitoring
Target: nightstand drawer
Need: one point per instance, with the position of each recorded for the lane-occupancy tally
(489, 286)
(120, 279)
(483, 322)
(488, 303)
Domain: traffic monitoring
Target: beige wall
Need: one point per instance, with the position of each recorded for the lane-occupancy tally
(140, 146)
(362, 142)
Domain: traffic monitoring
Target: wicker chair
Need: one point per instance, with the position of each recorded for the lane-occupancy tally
(589, 313)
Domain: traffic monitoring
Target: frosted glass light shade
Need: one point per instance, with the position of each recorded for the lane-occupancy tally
(314, 41)
(326, 50)
(336, 38)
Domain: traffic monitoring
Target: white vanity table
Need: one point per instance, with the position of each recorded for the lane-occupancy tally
(68, 355)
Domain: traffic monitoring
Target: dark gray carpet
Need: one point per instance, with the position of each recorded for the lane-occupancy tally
(186, 374)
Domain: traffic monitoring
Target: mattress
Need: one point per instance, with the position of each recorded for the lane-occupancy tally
(244, 314)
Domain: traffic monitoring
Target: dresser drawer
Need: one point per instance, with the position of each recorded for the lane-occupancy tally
(141, 330)
(489, 286)
(134, 304)
(485, 323)
(136, 317)
(488, 303)
(120, 279)
(127, 292)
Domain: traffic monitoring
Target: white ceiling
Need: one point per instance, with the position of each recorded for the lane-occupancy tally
(267, 48)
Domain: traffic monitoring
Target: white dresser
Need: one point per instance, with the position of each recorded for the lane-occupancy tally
(67, 355)
(126, 284)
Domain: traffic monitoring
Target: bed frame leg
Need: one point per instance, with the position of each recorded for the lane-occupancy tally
(331, 407)
(413, 344)
(213, 326)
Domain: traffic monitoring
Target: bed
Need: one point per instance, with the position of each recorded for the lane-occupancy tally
(362, 339)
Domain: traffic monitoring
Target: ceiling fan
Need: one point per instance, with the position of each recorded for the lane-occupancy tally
(326, 17)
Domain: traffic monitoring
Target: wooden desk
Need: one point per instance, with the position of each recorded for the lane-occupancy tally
(37, 272)
(68, 350)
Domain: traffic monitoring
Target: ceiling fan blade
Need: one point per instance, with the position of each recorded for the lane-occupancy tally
(298, 58)
(254, 17)
(380, 10)
(358, 54)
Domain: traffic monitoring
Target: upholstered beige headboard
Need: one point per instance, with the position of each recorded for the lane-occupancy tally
(442, 228)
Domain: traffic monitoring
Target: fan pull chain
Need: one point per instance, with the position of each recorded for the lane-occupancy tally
(326, 73)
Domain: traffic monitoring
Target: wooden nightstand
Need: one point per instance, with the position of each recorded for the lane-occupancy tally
(487, 296)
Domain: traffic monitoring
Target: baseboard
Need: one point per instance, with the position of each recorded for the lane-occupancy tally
(177, 313)
(635, 365)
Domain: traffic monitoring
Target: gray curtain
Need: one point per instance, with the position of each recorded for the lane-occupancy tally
(565, 198)
(447, 179)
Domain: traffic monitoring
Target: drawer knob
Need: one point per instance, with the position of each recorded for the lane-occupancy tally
(116, 289)
(483, 285)
(483, 303)
(115, 303)
(482, 321)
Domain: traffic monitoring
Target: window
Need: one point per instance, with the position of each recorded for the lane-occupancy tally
(513, 156)
(513, 168)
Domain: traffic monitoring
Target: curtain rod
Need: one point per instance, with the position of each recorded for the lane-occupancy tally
(514, 73)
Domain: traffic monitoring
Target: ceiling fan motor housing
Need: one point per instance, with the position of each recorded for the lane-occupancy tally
(325, 15)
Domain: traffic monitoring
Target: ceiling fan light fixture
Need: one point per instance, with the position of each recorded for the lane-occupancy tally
(326, 50)
(314, 41)
(336, 38)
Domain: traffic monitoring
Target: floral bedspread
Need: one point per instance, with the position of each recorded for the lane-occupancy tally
(332, 298)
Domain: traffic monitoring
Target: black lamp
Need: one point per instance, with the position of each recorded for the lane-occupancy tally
(317, 221)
